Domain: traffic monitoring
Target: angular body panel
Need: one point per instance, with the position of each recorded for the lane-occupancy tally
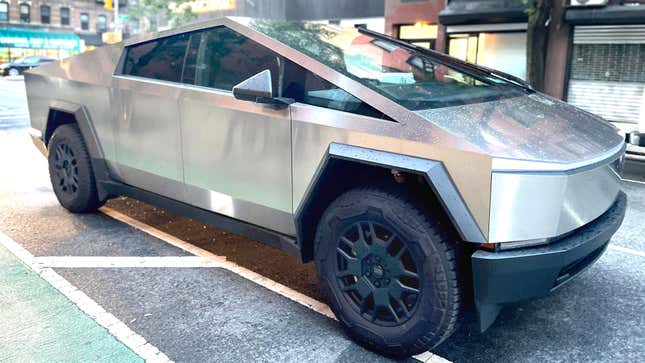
(532, 128)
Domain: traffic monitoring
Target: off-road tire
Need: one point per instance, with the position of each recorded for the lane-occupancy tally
(70, 170)
(432, 246)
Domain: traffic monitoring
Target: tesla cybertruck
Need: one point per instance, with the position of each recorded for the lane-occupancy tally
(419, 184)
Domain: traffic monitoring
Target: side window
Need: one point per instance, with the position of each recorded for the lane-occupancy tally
(226, 58)
(306, 87)
(45, 14)
(64, 16)
(4, 11)
(160, 59)
(85, 21)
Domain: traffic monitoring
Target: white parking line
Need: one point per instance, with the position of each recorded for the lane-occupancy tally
(223, 263)
(626, 250)
(124, 262)
(114, 326)
(265, 282)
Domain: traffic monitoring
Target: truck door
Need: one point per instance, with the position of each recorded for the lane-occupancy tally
(148, 145)
(236, 154)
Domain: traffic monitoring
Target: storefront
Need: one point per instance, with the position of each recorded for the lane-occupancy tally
(499, 46)
(607, 74)
(607, 63)
(490, 33)
(18, 43)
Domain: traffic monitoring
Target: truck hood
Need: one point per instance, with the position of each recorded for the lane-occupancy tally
(534, 127)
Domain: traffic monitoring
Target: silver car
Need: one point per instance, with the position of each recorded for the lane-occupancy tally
(419, 184)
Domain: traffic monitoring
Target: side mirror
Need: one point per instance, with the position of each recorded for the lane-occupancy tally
(259, 88)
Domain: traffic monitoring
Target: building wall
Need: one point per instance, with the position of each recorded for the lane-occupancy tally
(333, 9)
(303, 9)
(402, 12)
(91, 7)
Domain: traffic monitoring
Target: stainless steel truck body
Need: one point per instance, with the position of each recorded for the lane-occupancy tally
(414, 180)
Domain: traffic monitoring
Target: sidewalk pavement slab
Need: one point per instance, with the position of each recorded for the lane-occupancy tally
(39, 324)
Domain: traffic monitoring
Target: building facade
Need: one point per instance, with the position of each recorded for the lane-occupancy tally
(57, 28)
(367, 13)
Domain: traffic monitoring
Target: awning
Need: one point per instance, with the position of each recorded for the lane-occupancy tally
(91, 39)
(611, 14)
(35, 39)
(483, 12)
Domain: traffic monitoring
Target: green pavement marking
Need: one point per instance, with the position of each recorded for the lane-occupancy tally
(39, 324)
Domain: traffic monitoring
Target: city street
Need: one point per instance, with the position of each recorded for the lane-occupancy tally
(134, 282)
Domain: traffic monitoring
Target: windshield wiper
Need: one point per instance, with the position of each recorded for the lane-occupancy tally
(452, 62)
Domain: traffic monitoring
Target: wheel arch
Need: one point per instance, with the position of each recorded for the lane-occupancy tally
(373, 166)
(62, 113)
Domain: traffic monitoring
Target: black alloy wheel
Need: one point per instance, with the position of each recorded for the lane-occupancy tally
(386, 262)
(66, 169)
(377, 273)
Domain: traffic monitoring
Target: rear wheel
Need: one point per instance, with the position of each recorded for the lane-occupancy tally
(70, 170)
(388, 270)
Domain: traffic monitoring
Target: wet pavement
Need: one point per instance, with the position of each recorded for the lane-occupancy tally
(206, 313)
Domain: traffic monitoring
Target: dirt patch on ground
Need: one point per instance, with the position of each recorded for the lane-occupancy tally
(253, 255)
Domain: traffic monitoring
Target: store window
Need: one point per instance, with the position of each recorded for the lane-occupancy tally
(101, 24)
(25, 13)
(421, 34)
(64, 16)
(85, 21)
(45, 14)
(4, 11)
(505, 51)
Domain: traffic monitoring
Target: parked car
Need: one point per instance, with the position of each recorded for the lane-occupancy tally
(419, 184)
(20, 65)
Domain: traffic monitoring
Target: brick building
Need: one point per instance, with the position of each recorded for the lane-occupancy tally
(56, 28)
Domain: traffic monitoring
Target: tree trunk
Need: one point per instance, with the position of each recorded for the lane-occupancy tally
(537, 40)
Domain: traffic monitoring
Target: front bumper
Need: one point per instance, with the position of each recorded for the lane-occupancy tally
(510, 276)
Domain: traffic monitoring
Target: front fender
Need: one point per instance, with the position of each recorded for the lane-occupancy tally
(433, 170)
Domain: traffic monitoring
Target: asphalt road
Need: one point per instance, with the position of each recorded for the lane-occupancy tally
(210, 313)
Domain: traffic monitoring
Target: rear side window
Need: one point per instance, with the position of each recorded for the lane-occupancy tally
(160, 59)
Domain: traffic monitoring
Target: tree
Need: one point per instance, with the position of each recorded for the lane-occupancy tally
(311, 39)
(155, 10)
(539, 17)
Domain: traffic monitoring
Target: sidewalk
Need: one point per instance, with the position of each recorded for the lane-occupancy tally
(39, 324)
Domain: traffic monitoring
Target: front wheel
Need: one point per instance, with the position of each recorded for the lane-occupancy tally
(14, 72)
(388, 271)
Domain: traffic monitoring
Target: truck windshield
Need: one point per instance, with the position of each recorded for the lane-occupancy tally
(413, 78)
